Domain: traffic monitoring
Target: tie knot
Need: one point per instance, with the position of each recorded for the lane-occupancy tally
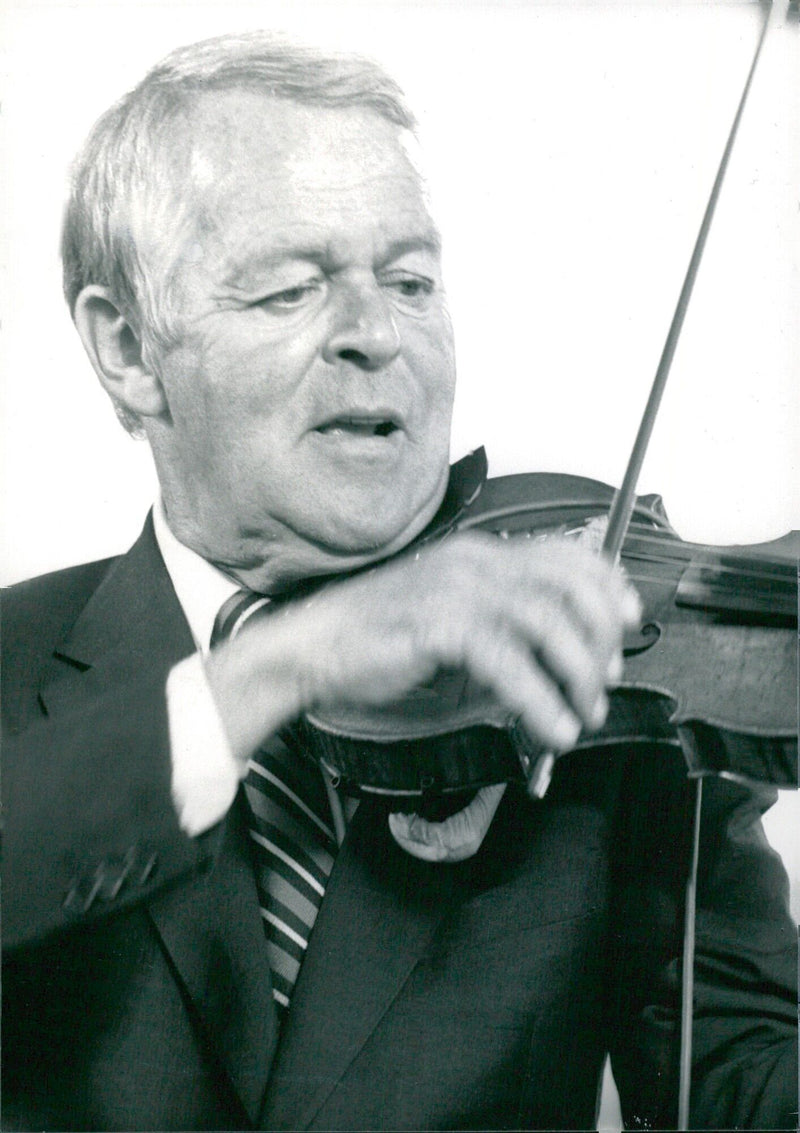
(234, 612)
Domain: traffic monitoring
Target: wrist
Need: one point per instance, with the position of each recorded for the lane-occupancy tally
(255, 686)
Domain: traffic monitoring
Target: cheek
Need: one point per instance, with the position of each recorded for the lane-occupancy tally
(432, 359)
(223, 386)
(263, 372)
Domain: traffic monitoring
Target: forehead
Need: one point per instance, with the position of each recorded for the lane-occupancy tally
(268, 168)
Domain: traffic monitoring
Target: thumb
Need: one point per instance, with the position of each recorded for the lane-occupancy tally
(458, 837)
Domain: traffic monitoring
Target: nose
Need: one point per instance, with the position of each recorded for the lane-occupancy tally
(363, 329)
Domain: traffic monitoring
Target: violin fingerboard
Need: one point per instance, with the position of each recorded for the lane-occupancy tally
(765, 595)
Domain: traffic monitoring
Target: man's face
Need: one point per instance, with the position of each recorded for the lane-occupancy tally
(311, 390)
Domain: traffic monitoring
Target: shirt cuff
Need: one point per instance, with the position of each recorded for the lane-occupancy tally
(205, 775)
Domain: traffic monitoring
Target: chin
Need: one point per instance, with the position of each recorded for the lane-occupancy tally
(380, 531)
(352, 521)
(373, 539)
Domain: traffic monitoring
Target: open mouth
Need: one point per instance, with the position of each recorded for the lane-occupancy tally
(357, 426)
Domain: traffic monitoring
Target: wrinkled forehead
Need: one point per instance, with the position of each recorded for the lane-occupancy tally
(244, 151)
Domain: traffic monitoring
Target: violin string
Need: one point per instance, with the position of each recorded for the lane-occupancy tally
(718, 568)
(644, 545)
(754, 567)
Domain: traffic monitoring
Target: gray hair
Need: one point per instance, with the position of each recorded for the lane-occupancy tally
(127, 179)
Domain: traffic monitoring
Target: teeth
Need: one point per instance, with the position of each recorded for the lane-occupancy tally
(360, 428)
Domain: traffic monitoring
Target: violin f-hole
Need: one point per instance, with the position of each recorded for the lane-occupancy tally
(639, 640)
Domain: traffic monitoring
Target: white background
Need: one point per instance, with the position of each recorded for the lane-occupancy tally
(572, 148)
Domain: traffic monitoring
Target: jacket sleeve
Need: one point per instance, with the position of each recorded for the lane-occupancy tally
(744, 1032)
(90, 826)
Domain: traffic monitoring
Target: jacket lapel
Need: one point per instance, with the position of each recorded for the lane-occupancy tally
(131, 626)
(211, 927)
(212, 932)
(381, 910)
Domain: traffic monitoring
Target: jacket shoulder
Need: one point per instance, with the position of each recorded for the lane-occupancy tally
(35, 616)
(50, 599)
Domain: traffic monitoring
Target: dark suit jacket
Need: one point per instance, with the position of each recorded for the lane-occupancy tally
(481, 995)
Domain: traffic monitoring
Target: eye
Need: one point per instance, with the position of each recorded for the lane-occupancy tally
(413, 290)
(291, 297)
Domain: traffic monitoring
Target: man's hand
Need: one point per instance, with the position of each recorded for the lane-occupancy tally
(539, 624)
(457, 837)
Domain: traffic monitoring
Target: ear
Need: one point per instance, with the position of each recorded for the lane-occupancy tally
(115, 350)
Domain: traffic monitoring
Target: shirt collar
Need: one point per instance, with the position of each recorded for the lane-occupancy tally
(200, 587)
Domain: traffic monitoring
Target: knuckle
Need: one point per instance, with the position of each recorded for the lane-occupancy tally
(550, 611)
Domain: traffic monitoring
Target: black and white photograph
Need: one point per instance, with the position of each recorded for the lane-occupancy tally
(400, 430)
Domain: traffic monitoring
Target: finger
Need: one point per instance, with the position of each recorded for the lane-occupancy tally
(579, 669)
(459, 837)
(524, 583)
(627, 596)
(584, 587)
(593, 605)
(507, 666)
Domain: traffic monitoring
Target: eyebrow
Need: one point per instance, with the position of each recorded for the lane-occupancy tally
(322, 253)
(431, 242)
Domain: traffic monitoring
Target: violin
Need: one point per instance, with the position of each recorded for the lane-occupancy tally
(712, 668)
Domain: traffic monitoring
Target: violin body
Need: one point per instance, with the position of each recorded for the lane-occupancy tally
(713, 668)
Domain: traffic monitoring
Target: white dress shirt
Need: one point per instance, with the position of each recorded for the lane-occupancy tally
(205, 775)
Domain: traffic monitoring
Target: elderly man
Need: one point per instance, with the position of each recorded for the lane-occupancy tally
(253, 270)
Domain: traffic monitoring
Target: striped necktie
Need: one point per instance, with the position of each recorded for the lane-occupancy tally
(291, 827)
